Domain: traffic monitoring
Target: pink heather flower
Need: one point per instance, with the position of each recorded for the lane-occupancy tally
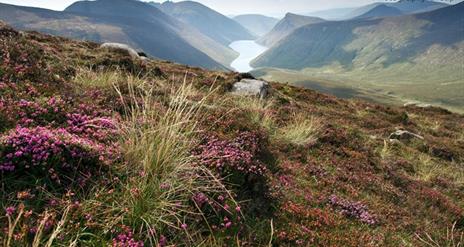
(163, 241)
(184, 226)
(10, 210)
(238, 209)
(228, 224)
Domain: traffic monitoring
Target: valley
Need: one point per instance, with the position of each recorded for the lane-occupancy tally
(248, 50)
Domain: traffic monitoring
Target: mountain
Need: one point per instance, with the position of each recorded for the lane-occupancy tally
(417, 56)
(155, 29)
(211, 23)
(405, 6)
(114, 21)
(285, 26)
(380, 11)
(331, 14)
(257, 24)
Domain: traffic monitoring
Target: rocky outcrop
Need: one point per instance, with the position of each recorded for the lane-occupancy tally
(251, 87)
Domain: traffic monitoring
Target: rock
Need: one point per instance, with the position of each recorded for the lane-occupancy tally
(417, 104)
(251, 87)
(118, 46)
(404, 135)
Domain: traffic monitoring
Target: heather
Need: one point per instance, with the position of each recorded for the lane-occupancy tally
(99, 149)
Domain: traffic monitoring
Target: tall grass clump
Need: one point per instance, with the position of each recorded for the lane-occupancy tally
(155, 199)
(301, 130)
(453, 237)
(260, 110)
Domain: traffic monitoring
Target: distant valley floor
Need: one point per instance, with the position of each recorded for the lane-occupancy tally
(446, 94)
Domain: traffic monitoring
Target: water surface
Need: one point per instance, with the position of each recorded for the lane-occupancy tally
(248, 50)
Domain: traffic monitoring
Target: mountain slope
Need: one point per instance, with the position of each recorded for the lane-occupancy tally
(422, 50)
(381, 11)
(140, 153)
(285, 26)
(257, 24)
(405, 6)
(139, 11)
(167, 44)
(211, 23)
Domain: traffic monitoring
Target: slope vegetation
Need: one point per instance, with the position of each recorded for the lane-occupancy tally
(102, 150)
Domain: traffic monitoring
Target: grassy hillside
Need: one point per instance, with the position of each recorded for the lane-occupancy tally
(211, 23)
(257, 24)
(97, 149)
(174, 41)
(286, 26)
(416, 57)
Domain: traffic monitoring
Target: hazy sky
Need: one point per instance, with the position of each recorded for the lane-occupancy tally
(229, 6)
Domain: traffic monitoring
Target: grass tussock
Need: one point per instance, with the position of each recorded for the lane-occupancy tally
(301, 130)
(163, 178)
(453, 237)
(260, 110)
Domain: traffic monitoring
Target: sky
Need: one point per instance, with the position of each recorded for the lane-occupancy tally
(230, 7)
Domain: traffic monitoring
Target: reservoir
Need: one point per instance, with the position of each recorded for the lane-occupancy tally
(248, 50)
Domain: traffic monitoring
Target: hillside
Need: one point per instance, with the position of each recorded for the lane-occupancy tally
(211, 23)
(417, 57)
(404, 6)
(286, 26)
(99, 149)
(380, 11)
(174, 41)
(257, 24)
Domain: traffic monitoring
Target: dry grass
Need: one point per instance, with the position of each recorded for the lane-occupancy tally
(260, 110)
(301, 130)
(452, 238)
(427, 169)
(162, 178)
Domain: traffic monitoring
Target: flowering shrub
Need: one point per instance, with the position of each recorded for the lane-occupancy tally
(355, 210)
(47, 150)
(126, 239)
(238, 155)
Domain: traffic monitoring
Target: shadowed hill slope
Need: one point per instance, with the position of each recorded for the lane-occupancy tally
(155, 33)
(258, 24)
(286, 26)
(211, 23)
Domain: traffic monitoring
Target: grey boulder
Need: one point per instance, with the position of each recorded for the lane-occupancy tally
(251, 87)
(118, 46)
(404, 135)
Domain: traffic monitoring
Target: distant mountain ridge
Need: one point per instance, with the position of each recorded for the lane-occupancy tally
(404, 6)
(257, 24)
(286, 26)
(125, 21)
(381, 11)
(208, 21)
